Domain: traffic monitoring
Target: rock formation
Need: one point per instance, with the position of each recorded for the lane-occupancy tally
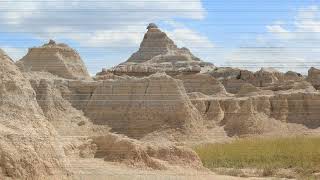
(314, 77)
(54, 97)
(155, 43)
(202, 83)
(158, 53)
(58, 59)
(233, 78)
(56, 121)
(29, 148)
(138, 154)
(262, 113)
(137, 106)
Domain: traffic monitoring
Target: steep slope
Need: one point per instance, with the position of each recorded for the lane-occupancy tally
(58, 59)
(156, 42)
(29, 148)
(138, 106)
(158, 53)
(314, 77)
(267, 78)
(263, 113)
(203, 83)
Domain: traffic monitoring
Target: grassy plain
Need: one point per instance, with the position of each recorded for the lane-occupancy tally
(300, 154)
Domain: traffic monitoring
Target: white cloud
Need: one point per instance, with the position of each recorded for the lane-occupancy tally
(289, 45)
(94, 23)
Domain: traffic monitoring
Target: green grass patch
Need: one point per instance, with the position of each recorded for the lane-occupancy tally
(299, 153)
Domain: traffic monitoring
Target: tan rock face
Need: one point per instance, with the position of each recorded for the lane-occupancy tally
(262, 114)
(233, 79)
(314, 77)
(29, 148)
(248, 89)
(136, 153)
(136, 107)
(158, 53)
(52, 96)
(203, 83)
(58, 59)
(156, 42)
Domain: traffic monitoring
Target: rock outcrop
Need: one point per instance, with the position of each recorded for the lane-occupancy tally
(158, 53)
(155, 43)
(203, 83)
(248, 89)
(29, 148)
(262, 113)
(267, 78)
(135, 153)
(54, 97)
(138, 106)
(314, 77)
(58, 59)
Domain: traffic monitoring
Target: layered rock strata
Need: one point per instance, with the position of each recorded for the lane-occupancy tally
(233, 78)
(262, 113)
(58, 59)
(138, 106)
(29, 147)
(158, 53)
(314, 77)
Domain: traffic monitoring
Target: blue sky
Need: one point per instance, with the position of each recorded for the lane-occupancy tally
(246, 33)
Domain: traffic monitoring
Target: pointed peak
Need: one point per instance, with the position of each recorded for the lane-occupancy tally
(52, 42)
(152, 26)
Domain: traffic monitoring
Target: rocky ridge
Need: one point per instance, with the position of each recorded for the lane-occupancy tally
(158, 53)
(141, 118)
(58, 59)
(29, 144)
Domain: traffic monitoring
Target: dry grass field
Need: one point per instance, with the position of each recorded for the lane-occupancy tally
(299, 154)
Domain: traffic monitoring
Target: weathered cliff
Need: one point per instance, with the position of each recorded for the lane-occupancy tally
(29, 148)
(58, 59)
(137, 106)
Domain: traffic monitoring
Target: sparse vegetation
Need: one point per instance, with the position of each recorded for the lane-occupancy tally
(301, 154)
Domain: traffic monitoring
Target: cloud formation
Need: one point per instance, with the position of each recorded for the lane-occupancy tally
(94, 22)
(287, 45)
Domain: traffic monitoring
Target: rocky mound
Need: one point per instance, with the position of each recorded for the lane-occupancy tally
(248, 89)
(266, 78)
(29, 148)
(155, 43)
(138, 106)
(203, 83)
(158, 53)
(135, 153)
(58, 59)
(314, 77)
(52, 96)
(262, 114)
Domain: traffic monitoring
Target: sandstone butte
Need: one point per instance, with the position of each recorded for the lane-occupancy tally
(140, 117)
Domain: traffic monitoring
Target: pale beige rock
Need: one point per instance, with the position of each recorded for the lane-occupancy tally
(203, 83)
(248, 90)
(58, 59)
(66, 119)
(138, 154)
(158, 53)
(137, 106)
(29, 148)
(156, 42)
(314, 77)
(263, 113)
(266, 78)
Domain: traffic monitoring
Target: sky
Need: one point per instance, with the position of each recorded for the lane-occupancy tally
(241, 33)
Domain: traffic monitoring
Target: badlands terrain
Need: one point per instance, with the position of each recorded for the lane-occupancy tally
(140, 119)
